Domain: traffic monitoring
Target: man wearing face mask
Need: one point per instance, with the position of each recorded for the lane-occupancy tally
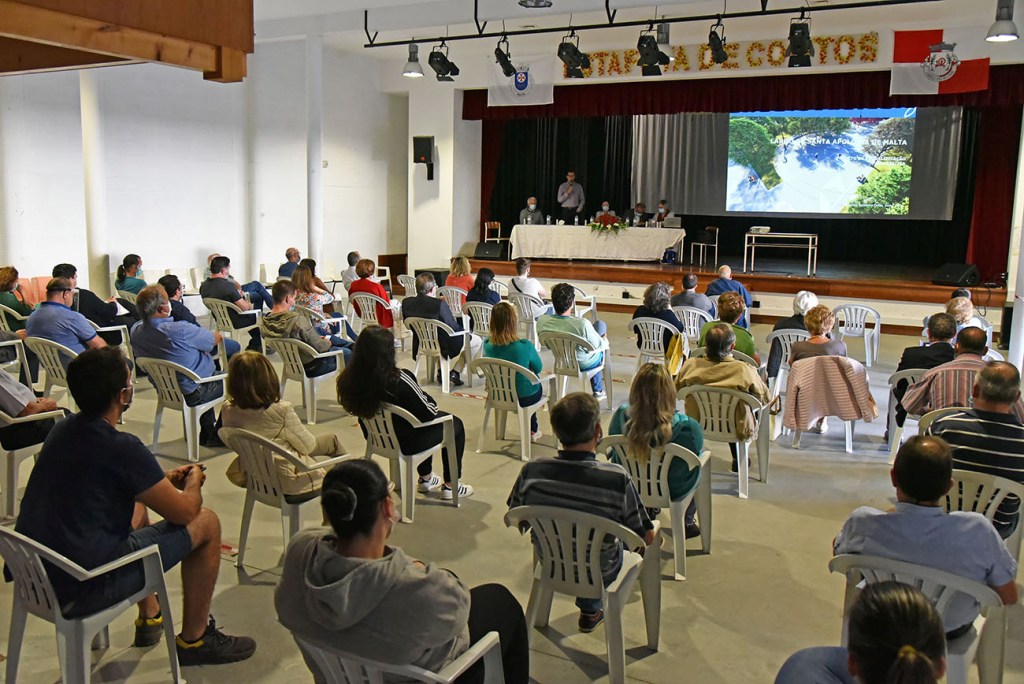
(663, 211)
(606, 209)
(531, 215)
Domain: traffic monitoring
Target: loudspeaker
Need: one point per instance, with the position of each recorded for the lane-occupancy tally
(1006, 328)
(957, 275)
(493, 251)
(440, 274)
(423, 149)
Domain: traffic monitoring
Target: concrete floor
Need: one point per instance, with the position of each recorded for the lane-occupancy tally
(764, 592)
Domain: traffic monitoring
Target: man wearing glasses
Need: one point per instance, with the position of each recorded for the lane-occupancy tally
(55, 320)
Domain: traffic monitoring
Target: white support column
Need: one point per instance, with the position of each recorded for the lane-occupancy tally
(94, 170)
(315, 145)
(1016, 273)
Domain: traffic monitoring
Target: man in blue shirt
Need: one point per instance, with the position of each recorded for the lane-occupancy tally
(179, 312)
(725, 283)
(159, 336)
(54, 320)
(292, 257)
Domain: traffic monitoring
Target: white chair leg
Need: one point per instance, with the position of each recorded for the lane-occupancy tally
(677, 510)
(243, 535)
(613, 639)
(483, 430)
(10, 482)
(895, 437)
(849, 436)
(446, 366)
(742, 454)
(309, 397)
(703, 497)
(606, 377)
(15, 637)
(500, 424)
(408, 476)
(291, 522)
(524, 434)
(650, 591)
(157, 419)
(796, 439)
(533, 610)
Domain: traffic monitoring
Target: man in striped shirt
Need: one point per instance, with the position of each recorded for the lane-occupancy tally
(951, 384)
(575, 479)
(988, 438)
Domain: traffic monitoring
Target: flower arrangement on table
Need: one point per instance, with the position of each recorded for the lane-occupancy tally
(606, 223)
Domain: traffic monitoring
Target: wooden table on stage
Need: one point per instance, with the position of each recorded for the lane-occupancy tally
(578, 242)
(808, 241)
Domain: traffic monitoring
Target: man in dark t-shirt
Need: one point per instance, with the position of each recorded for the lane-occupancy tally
(87, 499)
(217, 286)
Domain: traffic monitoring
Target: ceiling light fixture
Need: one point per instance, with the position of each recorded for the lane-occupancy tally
(801, 48)
(574, 60)
(412, 67)
(1003, 30)
(439, 62)
(535, 4)
(651, 58)
(716, 40)
(664, 42)
(504, 58)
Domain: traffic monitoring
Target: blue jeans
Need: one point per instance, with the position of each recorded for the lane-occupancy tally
(318, 367)
(597, 382)
(258, 295)
(530, 399)
(592, 605)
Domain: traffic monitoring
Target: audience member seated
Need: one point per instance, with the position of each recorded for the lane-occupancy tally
(87, 499)
(254, 404)
(311, 265)
(159, 336)
(803, 302)
(181, 313)
(895, 635)
(308, 293)
(345, 587)
(284, 322)
(730, 311)
(719, 368)
(220, 286)
(348, 276)
(366, 282)
(988, 438)
(531, 214)
(650, 419)
(481, 290)
(656, 305)
(950, 384)
(724, 283)
(819, 320)
(426, 304)
(522, 282)
(18, 401)
(690, 297)
(12, 297)
(129, 275)
(962, 310)
(55, 321)
(291, 260)
(577, 480)
(460, 275)
(920, 531)
(104, 313)
(564, 320)
(258, 293)
(939, 350)
(505, 344)
(373, 379)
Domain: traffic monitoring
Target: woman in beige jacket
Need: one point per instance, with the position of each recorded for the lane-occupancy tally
(255, 404)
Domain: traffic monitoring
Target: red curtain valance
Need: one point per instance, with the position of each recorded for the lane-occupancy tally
(762, 93)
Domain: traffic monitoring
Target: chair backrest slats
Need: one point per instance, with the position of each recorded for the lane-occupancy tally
(453, 297)
(480, 314)
(692, 320)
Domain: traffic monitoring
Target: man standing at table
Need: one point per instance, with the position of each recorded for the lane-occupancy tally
(531, 214)
(570, 197)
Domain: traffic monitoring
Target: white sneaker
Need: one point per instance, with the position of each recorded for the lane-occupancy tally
(534, 436)
(430, 484)
(601, 396)
(464, 490)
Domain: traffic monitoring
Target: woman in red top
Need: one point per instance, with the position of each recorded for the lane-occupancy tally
(460, 275)
(365, 268)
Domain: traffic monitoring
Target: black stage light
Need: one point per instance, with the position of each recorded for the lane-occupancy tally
(801, 48)
(569, 52)
(442, 66)
(651, 58)
(503, 58)
(535, 4)
(716, 39)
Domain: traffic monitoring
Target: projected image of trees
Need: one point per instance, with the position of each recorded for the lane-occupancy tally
(751, 145)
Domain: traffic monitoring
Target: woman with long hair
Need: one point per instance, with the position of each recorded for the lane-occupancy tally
(320, 284)
(896, 637)
(373, 379)
(481, 290)
(313, 297)
(254, 404)
(129, 275)
(505, 343)
(650, 419)
(460, 275)
(345, 586)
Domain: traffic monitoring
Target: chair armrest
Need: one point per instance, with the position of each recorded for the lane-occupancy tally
(10, 343)
(437, 421)
(329, 463)
(213, 378)
(469, 656)
(114, 564)
(8, 420)
(329, 354)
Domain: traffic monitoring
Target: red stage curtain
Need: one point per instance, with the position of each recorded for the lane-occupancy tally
(490, 155)
(761, 93)
(992, 216)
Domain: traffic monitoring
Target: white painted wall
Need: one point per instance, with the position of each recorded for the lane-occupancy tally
(431, 113)
(466, 187)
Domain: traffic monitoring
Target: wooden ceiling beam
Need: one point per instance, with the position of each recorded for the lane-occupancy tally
(24, 57)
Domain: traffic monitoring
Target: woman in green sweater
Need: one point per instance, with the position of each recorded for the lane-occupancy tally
(505, 344)
(129, 275)
(12, 298)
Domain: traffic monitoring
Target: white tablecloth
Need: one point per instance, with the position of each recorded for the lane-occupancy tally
(577, 242)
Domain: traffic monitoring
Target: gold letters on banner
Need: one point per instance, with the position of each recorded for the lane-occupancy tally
(829, 50)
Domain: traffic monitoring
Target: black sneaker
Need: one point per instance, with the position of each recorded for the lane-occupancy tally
(455, 378)
(148, 631)
(588, 623)
(210, 439)
(214, 648)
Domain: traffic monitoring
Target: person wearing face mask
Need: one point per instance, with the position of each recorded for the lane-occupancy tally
(532, 214)
(606, 209)
(663, 212)
(345, 586)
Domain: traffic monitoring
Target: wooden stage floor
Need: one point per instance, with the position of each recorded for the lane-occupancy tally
(886, 282)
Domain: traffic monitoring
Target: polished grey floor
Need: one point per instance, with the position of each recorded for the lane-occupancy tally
(762, 593)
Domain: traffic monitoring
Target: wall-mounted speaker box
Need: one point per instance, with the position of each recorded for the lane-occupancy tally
(423, 149)
(957, 275)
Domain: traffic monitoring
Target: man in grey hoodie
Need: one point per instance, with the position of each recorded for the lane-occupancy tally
(284, 322)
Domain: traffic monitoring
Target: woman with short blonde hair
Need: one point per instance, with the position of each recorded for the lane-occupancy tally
(963, 311)
(505, 343)
(819, 320)
(460, 275)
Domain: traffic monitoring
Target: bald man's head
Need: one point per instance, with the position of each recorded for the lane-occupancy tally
(725, 272)
(971, 340)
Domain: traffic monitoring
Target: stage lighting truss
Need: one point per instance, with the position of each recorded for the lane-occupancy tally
(574, 60)
(439, 62)
(801, 47)
(716, 40)
(504, 58)
(651, 57)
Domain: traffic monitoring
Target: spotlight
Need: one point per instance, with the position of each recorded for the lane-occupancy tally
(535, 4)
(800, 49)
(574, 60)
(503, 58)
(412, 67)
(664, 42)
(442, 66)
(1003, 30)
(716, 39)
(651, 58)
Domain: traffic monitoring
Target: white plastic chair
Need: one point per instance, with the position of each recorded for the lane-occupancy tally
(651, 480)
(20, 360)
(786, 339)
(33, 593)
(428, 333)
(221, 312)
(744, 318)
(693, 320)
(564, 347)
(292, 353)
(717, 409)
(408, 284)
(993, 355)
(910, 376)
(382, 439)
(700, 352)
(499, 287)
(930, 417)
(196, 275)
(480, 314)
(651, 332)
(586, 304)
(15, 457)
(503, 399)
(335, 323)
(125, 344)
(50, 354)
(263, 482)
(454, 298)
(984, 493)
(567, 560)
(341, 667)
(986, 641)
(6, 311)
(851, 321)
(528, 310)
(127, 296)
(164, 377)
(384, 276)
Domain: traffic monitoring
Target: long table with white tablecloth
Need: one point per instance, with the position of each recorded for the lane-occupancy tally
(579, 242)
